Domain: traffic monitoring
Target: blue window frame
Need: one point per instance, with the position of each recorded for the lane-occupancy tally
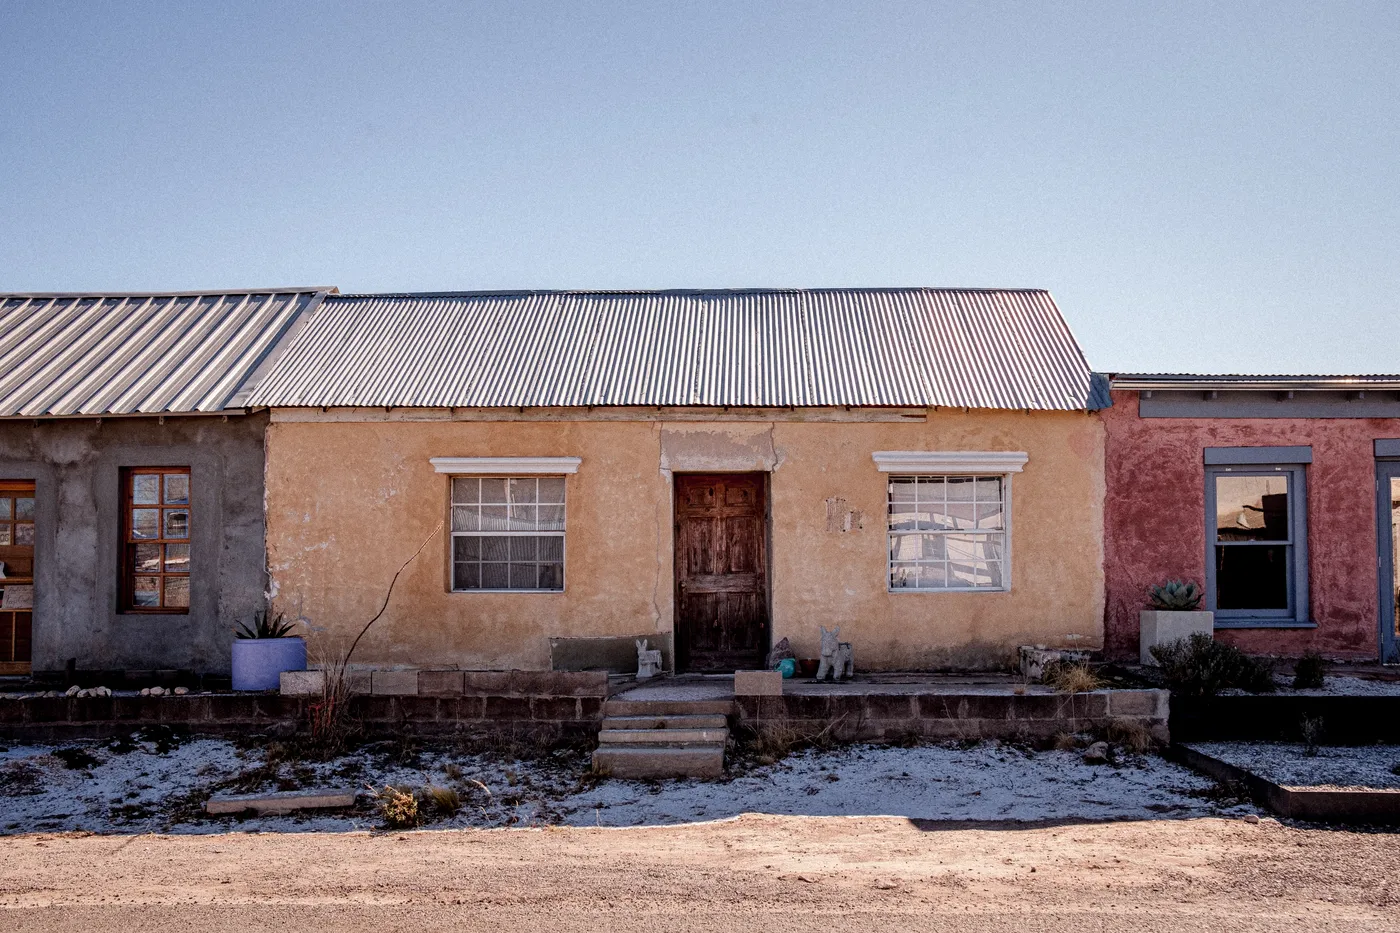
(1256, 539)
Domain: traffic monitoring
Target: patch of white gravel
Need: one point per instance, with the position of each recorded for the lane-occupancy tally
(1347, 687)
(145, 786)
(1367, 766)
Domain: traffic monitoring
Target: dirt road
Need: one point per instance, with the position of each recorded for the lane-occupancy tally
(753, 873)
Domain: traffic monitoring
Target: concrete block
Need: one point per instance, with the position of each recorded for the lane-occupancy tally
(1153, 704)
(554, 709)
(394, 683)
(758, 683)
(486, 683)
(301, 683)
(286, 802)
(1161, 627)
(440, 683)
(632, 762)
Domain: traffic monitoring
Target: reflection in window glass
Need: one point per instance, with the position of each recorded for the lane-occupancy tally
(1253, 544)
(156, 560)
(947, 532)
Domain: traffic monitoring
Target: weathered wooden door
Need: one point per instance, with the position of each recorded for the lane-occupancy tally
(721, 572)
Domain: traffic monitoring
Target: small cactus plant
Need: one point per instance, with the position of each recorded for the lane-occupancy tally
(1176, 596)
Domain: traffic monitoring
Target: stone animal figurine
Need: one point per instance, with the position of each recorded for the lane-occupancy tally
(648, 660)
(837, 656)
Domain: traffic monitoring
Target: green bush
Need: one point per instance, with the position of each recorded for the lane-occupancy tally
(1201, 666)
(1310, 672)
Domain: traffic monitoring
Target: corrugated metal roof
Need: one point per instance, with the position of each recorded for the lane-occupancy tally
(1258, 383)
(86, 354)
(979, 348)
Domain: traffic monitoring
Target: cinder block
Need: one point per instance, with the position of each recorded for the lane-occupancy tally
(758, 683)
(440, 683)
(486, 683)
(394, 683)
(1145, 703)
(358, 682)
(301, 683)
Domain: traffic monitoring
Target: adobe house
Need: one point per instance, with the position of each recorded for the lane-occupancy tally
(131, 476)
(1279, 494)
(709, 470)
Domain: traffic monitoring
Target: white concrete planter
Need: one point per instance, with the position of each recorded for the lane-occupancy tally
(1161, 626)
(258, 663)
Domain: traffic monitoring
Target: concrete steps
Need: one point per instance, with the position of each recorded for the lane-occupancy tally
(643, 739)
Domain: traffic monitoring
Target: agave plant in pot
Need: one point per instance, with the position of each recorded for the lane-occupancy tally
(1175, 613)
(263, 649)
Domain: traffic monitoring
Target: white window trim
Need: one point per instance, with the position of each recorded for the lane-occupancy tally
(950, 461)
(506, 466)
(453, 534)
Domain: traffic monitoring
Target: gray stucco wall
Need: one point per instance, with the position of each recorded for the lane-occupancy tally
(76, 467)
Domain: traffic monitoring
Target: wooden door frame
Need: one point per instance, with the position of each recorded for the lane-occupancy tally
(1388, 648)
(679, 641)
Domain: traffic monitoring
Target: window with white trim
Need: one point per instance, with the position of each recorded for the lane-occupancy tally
(949, 532)
(508, 533)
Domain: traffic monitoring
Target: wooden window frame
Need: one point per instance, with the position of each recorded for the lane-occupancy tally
(127, 557)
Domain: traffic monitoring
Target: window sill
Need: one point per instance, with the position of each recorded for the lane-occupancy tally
(1263, 623)
(147, 613)
(911, 590)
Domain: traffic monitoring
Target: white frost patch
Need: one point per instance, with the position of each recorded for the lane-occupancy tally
(1348, 687)
(1369, 766)
(139, 786)
(986, 782)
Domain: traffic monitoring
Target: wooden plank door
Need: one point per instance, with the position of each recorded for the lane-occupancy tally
(721, 572)
(17, 532)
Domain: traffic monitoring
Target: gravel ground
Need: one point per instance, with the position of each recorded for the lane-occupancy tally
(1292, 765)
(155, 782)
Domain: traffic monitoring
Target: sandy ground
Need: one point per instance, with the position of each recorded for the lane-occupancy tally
(768, 873)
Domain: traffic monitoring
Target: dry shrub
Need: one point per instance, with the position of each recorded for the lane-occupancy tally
(1201, 666)
(445, 801)
(398, 807)
(1072, 677)
(1310, 673)
(1132, 735)
(772, 740)
(1065, 742)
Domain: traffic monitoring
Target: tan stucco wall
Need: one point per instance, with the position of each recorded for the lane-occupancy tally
(347, 503)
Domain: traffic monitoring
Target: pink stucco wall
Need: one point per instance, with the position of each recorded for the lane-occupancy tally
(1154, 522)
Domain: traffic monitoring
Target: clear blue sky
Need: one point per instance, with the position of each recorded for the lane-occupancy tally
(1204, 187)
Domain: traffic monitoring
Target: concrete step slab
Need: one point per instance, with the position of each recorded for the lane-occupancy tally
(662, 736)
(668, 707)
(639, 762)
(281, 802)
(684, 721)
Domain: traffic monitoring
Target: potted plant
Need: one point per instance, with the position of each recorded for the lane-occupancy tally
(263, 649)
(1175, 614)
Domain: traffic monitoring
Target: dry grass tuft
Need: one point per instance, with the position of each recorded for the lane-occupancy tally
(398, 807)
(445, 801)
(1132, 735)
(1072, 678)
(1065, 742)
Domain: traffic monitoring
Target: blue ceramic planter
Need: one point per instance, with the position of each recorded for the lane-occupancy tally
(258, 663)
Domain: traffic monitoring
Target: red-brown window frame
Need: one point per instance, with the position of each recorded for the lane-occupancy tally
(129, 542)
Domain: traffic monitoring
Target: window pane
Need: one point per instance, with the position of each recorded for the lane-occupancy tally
(960, 488)
(962, 515)
(177, 592)
(522, 517)
(904, 516)
(177, 489)
(989, 489)
(5, 533)
(551, 576)
(466, 576)
(933, 576)
(466, 518)
(145, 488)
(933, 488)
(522, 489)
(24, 508)
(552, 550)
(147, 558)
(145, 523)
(493, 490)
(551, 518)
(905, 547)
(902, 489)
(965, 547)
(466, 548)
(989, 516)
(523, 576)
(497, 549)
(465, 490)
(495, 577)
(551, 489)
(904, 576)
(1251, 577)
(177, 557)
(177, 523)
(24, 534)
(933, 547)
(5, 504)
(522, 549)
(495, 518)
(1251, 508)
(146, 592)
